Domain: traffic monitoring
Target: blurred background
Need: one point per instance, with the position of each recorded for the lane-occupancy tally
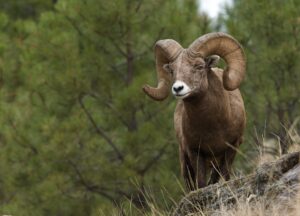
(78, 136)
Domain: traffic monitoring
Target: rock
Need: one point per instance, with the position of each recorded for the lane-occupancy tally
(278, 180)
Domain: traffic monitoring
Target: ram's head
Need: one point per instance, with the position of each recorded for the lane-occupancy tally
(184, 71)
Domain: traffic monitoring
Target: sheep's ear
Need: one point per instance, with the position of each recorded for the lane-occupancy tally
(212, 61)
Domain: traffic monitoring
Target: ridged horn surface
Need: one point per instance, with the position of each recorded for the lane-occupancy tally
(165, 51)
(227, 48)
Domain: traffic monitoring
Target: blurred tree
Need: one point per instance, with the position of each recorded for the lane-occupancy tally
(17, 9)
(76, 132)
(269, 31)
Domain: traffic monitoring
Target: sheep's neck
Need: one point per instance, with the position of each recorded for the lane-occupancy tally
(213, 108)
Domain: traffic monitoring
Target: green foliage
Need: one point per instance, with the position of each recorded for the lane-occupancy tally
(76, 132)
(78, 136)
(269, 31)
(17, 9)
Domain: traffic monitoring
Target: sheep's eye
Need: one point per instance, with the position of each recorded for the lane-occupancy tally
(168, 69)
(199, 67)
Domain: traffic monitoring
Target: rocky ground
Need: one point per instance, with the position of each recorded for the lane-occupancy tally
(273, 182)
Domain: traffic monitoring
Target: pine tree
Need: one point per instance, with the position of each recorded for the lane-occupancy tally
(269, 31)
(79, 133)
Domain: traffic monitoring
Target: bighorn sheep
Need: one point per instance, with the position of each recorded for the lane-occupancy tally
(210, 116)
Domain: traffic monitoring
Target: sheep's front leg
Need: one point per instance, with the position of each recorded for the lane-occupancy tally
(186, 169)
(198, 164)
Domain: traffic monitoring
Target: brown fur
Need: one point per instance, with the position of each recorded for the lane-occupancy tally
(206, 125)
(210, 115)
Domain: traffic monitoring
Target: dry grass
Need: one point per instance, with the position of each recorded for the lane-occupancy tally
(260, 208)
(243, 208)
(250, 207)
(269, 151)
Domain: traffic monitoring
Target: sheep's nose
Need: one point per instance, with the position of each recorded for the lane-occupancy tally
(177, 89)
(180, 88)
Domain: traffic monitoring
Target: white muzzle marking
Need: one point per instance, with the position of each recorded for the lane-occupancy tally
(180, 89)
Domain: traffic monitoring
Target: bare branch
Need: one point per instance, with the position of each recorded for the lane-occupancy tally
(100, 131)
(92, 188)
(152, 115)
(112, 108)
(154, 160)
(118, 47)
(22, 140)
(137, 8)
(100, 190)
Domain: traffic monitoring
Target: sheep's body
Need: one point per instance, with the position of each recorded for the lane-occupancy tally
(206, 127)
(210, 116)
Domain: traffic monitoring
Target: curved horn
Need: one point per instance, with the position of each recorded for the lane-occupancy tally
(227, 48)
(165, 51)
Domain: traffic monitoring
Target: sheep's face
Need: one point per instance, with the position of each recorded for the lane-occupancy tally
(190, 75)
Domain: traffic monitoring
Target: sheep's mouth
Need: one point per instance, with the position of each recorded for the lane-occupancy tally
(182, 96)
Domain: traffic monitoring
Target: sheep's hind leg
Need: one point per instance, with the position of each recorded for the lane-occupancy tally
(215, 173)
(228, 160)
